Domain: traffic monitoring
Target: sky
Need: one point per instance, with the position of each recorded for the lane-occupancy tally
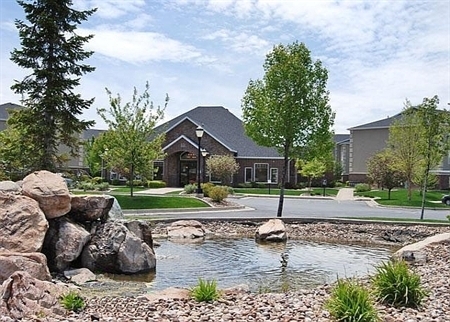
(378, 54)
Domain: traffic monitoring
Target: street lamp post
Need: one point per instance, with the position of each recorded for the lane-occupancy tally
(204, 155)
(199, 133)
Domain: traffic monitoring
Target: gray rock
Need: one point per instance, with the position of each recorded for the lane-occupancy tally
(10, 187)
(22, 224)
(64, 243)
(80, 276)
(274, 231)
(115, 249)
(141, 229)
(190, 229)
(90, 208)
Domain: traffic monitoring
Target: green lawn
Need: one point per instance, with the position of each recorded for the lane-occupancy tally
(399, 197)
(287, 192)
(125, 189)
(158, 202)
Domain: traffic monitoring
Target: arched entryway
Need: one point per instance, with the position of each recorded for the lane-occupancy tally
(188, 168)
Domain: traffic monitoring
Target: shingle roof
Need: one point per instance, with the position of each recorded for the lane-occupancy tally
(340, 138)
(224, 126)
(384, 123)
(4, 110)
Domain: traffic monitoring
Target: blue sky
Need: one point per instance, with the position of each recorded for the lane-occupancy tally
(204, 52)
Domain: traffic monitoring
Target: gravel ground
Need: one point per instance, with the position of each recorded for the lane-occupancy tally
(304, 305)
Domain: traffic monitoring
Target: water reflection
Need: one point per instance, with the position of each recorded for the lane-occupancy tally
(243, 261)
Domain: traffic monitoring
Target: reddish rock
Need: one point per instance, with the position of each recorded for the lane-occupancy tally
(22, 224)
(50, 191)
(33, 263)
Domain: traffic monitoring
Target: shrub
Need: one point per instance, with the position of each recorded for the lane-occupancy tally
(205, 291)
(136, 183)
(396, 285)
(206, 187)
(190, 188)
(104, 186)
(97, 180)
(156, 184)
(362, 187)
(86, 185)
(72, 301)
(351, 302)
(218, 193)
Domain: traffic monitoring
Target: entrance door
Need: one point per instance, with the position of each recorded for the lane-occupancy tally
(188, 172)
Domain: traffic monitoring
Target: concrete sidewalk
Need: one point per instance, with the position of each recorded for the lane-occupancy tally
(345, 194)
(158, 191)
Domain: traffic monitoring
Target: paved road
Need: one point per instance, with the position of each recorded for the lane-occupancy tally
(266, 207)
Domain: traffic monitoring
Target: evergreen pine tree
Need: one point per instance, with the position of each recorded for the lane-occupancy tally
(54, 52)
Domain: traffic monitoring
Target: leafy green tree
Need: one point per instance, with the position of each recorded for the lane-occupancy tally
(53, 51)
(15, 148)
(434, 143)
(311, 169)
(404, 135)
(383, 169)
(95, 153)
(288, 109)
(223, 167)
(132, 142)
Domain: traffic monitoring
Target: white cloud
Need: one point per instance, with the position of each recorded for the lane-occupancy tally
(136, 47)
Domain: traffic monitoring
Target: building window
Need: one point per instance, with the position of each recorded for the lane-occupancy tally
(274, 175)
(158, 168)
(248, 174)
(261, 172)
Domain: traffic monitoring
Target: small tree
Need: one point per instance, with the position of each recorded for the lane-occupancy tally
(311, 169)
(288, 109)
(383, 169)
(223, 167)
(133, 144)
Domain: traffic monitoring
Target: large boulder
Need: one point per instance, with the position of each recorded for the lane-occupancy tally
(23, 296)
(22, 224)
(186, 229)
(416, 253)
(50, 191)
(64, 243)
(115, 249)
(33, 263)
(141, 229)
(272, 231)
(90, 208)
(10, 187)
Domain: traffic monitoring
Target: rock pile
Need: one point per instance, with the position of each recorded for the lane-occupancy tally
(44, 228)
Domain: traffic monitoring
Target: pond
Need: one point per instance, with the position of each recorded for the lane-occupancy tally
(243, 261)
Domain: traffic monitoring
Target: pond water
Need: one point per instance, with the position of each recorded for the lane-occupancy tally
(243, 261)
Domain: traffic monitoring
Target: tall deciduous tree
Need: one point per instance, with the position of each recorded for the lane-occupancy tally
(435, 125)
(288, 109)
(133, 144)
(54, 52)
(404, 135)
(223, 167)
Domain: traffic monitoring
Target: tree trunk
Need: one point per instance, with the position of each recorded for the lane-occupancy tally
(283, 180)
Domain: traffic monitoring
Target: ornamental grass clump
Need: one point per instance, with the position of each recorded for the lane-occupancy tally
(351, 302)
(205, 291)
(72, 301)
(395, 284)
